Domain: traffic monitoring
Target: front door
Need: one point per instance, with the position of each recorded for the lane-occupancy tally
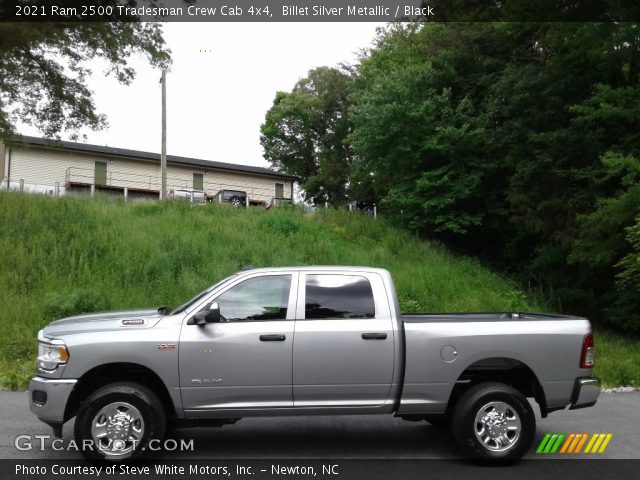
(343, 354)
(245, 361)
(100, 174)
(198, 181)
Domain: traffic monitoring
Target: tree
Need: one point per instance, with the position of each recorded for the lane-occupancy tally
(629, 276)
(423, 135)
(304, 134)
(602, 239)
(44, 70)
(489, 136)
(607, 247)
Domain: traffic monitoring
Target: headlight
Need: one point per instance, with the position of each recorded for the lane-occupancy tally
(51, 354)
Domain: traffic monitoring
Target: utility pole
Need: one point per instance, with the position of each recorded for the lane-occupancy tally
(163, 154)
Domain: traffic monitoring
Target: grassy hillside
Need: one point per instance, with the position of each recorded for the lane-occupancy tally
(65, 256)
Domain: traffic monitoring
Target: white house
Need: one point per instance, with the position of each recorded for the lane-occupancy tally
(59, 167)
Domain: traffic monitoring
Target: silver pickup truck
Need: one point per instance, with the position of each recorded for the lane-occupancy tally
(308, 341)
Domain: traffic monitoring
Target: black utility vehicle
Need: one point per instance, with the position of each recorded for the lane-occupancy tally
(237, 198)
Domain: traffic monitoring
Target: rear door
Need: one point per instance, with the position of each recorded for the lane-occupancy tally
(100, 173)
(198, 181)
(246, 360)
(343, 351)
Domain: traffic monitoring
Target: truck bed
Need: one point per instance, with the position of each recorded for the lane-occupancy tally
(441, 348)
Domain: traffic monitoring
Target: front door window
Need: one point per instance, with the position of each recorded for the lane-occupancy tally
(256, 299)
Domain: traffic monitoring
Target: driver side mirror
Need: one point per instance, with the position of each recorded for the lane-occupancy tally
(210, 316)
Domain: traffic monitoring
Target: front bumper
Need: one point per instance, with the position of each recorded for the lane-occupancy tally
(585, 392)
(48, 398)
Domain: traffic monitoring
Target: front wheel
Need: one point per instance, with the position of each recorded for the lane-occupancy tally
(117, 421)
(493, 421)
(235, 202)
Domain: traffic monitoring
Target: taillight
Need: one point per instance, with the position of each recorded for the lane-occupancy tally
(586, 359)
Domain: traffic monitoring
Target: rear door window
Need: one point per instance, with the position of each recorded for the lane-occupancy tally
(338, 296)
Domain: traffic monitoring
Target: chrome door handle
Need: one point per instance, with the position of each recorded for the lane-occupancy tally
(374, 336)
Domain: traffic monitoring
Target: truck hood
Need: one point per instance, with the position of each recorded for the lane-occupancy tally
(104, 321)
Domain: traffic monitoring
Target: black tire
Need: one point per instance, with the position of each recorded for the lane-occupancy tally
(472, 402)
(368, 211)
(140, 398)
(236, 202)
(439, 421)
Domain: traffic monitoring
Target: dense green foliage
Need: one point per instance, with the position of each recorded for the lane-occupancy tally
(304, 134)
(44, 69)
(514, 142)
(617, 359)
(66, 256)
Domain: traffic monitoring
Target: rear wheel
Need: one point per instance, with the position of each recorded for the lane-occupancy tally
(235, 201)
(493, 421)
(118, 421)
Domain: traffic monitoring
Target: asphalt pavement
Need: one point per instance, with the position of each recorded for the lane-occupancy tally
(340, 437)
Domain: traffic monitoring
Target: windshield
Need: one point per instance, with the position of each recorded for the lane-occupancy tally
(184, 306)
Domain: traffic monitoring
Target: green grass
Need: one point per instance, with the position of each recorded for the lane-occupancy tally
(617, 359)
(61, 256)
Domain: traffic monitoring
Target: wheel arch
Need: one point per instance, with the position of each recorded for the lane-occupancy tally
(102, 375)
(503, 369)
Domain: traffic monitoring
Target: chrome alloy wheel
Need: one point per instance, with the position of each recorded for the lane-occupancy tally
(117, 429)
(497, 426)
(236, 203)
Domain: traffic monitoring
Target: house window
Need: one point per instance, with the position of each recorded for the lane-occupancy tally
(198, 181)
(100, 174)
(279, 190)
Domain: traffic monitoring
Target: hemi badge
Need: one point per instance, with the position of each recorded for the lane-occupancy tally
(166, 346)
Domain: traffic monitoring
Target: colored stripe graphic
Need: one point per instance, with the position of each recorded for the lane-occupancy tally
(555, 447)
(607, 439)
(543, 443)
(572, 443)
(591, 442)
(582, 440)
(567, 442)
(550, 443)
(598, 443)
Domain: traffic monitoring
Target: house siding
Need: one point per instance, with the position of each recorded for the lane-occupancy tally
(132, 174)
(3, 153)
(42, 168)
(258, 187)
